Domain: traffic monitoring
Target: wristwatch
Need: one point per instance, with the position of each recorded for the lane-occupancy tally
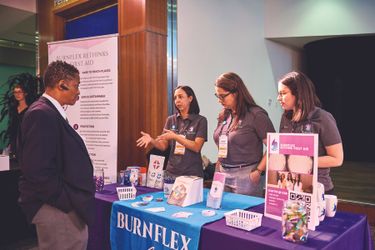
(261, 172)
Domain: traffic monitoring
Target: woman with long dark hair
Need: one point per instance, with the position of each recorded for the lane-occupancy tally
(303, 114)
(240, 134)
(22, 92)
(185, 132)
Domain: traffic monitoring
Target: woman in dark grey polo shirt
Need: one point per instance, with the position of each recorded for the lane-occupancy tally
(240, 134)
(185, 132)
(296, 94)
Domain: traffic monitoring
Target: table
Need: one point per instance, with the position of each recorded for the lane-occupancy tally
(344, 231)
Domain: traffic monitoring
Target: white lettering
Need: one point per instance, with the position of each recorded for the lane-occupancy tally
(137, 225)
(127, 223)
(147, 230)
(174, 241)
(120, 220)
(157, 232)
(165, 237)
(184, 242)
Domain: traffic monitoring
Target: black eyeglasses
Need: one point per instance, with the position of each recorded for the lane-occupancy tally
(222, 96)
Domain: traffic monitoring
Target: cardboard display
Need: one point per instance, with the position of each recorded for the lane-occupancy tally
(155, 174)
(186, 191)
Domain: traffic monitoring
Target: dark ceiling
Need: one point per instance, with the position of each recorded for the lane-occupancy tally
(17, 36)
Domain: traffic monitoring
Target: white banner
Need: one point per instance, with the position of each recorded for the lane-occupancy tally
(94, 116)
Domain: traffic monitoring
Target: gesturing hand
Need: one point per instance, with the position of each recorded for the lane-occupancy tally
(167, 135)
(144, 140)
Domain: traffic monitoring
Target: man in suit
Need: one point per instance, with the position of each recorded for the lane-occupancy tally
(57, 188)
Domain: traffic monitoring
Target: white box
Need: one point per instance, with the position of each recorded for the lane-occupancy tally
(155, 174)
(186, 191)
(4, 162)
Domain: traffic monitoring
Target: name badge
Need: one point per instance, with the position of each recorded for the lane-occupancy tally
(179, 148)
(223, 146)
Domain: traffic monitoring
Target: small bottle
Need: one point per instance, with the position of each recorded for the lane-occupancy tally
(127, 174)
(168, 185)
(134, 175)
(142, 176)
(99, 179)
(120, 179)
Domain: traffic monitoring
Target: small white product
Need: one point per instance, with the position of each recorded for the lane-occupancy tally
(208, 213)
(182, 214)
(156, 209)
(147, 198)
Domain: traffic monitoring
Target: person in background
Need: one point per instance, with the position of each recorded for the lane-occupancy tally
(16, 118)
(56, 187)
(240, 134)
(21, 94)
(303, 114)
(185, 132)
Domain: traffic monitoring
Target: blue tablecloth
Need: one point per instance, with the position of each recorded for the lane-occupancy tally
(137, 228)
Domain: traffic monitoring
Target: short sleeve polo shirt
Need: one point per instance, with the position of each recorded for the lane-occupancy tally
(192, 127)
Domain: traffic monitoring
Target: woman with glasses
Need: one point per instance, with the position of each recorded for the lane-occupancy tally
(185, 132)
(240, 134)
(302, 114)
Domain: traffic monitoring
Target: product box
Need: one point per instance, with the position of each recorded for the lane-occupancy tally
(155, 174)
(186, 191)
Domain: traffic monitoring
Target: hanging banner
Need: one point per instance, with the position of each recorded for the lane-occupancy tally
(94, 116)
(292, 173)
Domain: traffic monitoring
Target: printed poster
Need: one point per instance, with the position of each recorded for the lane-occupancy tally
(94, 116)
(292, 173)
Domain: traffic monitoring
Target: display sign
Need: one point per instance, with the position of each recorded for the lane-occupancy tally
(94, 116)
(292, 173)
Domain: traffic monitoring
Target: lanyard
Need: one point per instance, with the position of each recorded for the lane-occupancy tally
(228, 127)
(184, 128)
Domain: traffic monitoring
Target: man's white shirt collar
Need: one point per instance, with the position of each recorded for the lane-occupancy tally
(56, 104)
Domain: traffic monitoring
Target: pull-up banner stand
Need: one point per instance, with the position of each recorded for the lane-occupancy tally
(94, 116)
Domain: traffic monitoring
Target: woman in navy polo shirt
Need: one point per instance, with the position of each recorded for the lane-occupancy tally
(296, 94)
(240, 134)
(185, 132)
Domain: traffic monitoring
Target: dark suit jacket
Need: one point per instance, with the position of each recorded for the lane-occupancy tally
(56, 167)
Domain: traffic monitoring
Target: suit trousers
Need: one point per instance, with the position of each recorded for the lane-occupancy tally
(58, 230)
